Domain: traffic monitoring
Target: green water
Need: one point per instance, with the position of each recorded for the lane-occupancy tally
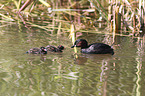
(62, 74)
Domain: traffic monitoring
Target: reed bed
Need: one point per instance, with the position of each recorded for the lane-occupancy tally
(117, 16)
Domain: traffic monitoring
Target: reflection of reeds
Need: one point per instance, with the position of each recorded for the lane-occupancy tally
(119, 14)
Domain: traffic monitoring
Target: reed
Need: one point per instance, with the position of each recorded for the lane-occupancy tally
(119, 15)
(117, 19)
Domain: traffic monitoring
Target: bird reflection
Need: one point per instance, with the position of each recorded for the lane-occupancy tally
(82, 59)
(43, 58)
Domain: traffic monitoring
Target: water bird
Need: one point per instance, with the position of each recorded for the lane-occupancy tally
(54, 49)
(41, 50)
(94, 48)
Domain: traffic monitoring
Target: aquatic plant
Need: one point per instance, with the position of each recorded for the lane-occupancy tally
(57, 15)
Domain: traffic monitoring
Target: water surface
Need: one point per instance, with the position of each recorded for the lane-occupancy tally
(62, 74)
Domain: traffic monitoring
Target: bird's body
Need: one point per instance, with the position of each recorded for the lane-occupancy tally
(94, 48)
(54, 49)
(41, 50)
